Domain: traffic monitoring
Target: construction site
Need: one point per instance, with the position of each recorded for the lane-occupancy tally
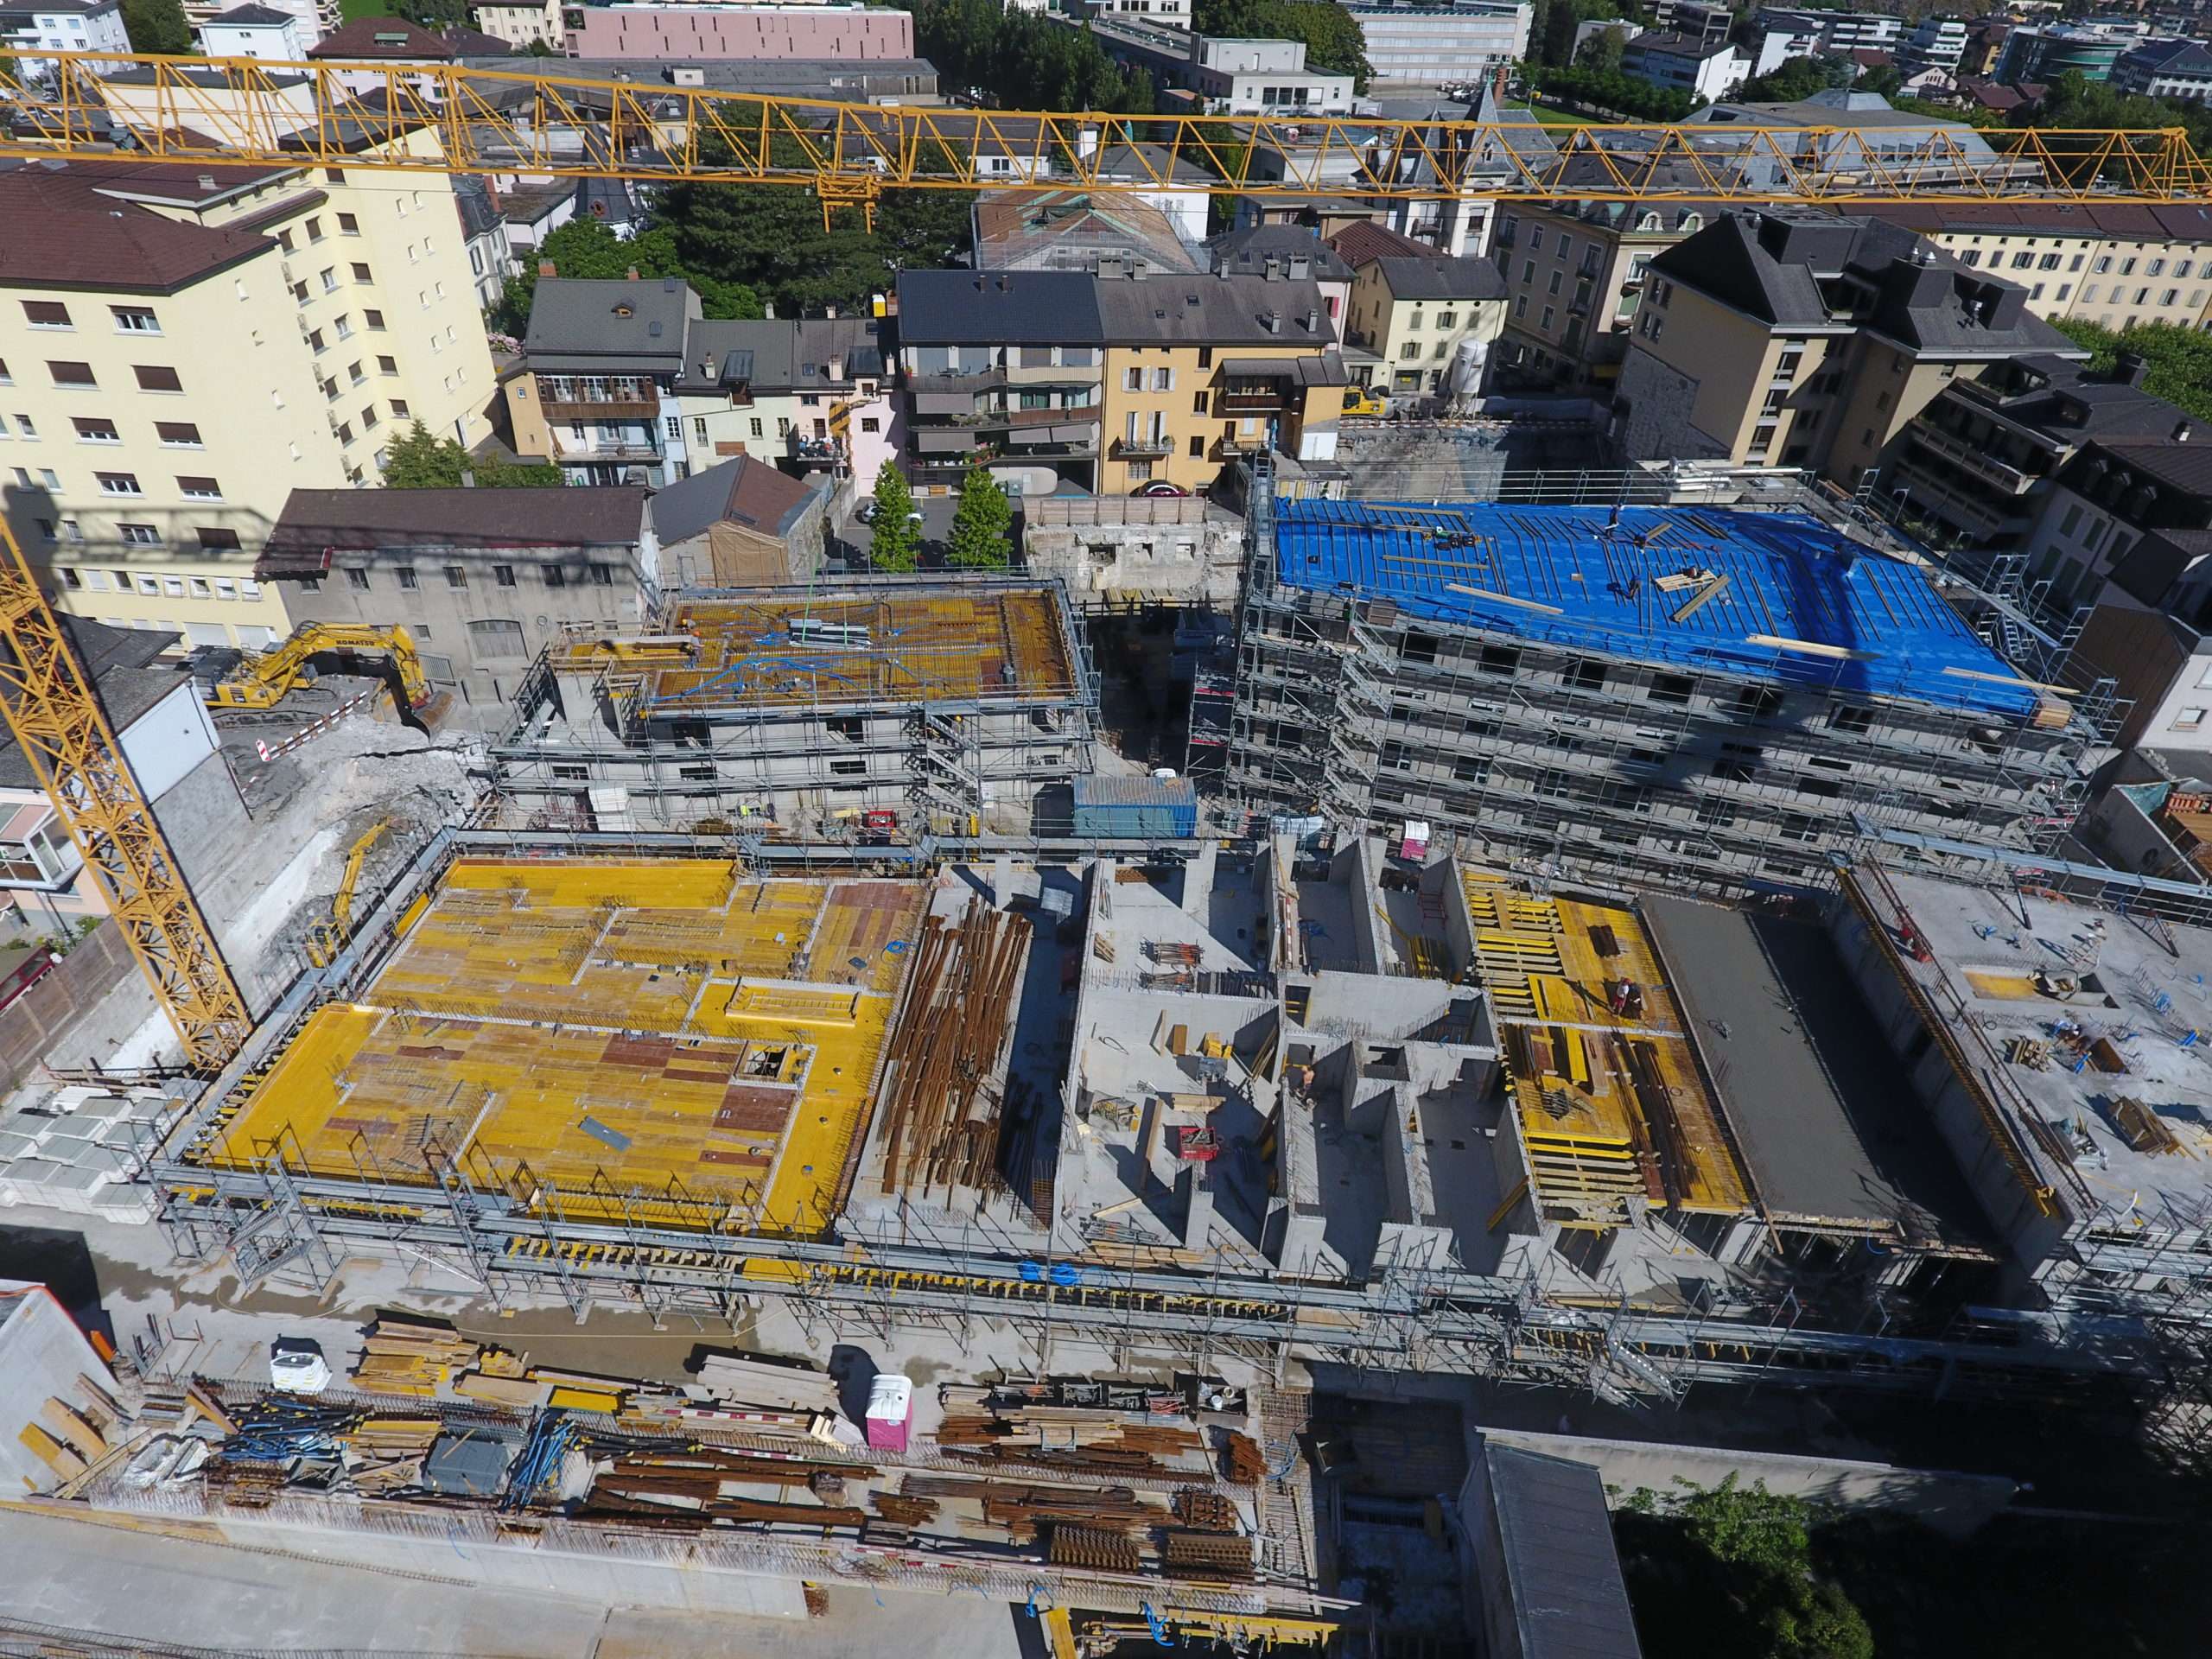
(1713, 694)
(809, 707)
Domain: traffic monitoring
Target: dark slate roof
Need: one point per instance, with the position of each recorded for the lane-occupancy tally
(999, 308)
(744, 492)
(1676, 46)
(2060, 398)
(1246, 252)
(2169, 57)
(62, 233)
(571, 316)
(382, 37)
(745, 353)
(473, 195)
(317, 522)
(1435, 277)
(855, 340)
(1170, 308)
(1148, 163)
(249, 14)
(128, 680)
(2148, 570)
(608, 200)
(474, 42)
(1563, 1574)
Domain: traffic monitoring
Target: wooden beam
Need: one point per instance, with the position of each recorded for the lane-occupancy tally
(1502, 598)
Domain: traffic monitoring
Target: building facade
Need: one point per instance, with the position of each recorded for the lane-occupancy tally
(523, 23)
(255, 31)
(648, 29)
(1684, 63)
(1430, 322)
(2181, 70)
(597, 394)
(1573, 274)
(1227, 77)
(34, 26)
(1442, 44)
(806, 396)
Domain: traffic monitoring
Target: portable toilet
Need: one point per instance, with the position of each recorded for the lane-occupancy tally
(890, 1404)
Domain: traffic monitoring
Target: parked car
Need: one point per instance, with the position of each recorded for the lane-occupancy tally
(1158, 487)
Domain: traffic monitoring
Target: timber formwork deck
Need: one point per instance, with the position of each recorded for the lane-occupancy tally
(671, 1041)
(1611, 1105)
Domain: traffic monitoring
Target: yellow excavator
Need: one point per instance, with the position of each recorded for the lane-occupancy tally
(328, 938)
(261, 679)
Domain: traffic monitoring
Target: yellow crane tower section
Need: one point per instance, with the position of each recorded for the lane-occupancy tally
(51, 709)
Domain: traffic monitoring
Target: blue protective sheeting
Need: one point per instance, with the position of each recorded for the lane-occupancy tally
(1789, 577)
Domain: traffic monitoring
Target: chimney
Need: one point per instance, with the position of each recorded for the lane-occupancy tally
(1272, 321)
(547, 267)
(207, 181)
(2129, 368)
(836, 366)
(631, 275)
(2182, 429)
(1313, 321)
(467, 478)
(706, 366)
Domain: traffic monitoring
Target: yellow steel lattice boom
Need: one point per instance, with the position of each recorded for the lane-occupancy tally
(521, 121)
(54, 714)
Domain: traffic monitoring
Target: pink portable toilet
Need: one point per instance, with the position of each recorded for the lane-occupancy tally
(890, 1404)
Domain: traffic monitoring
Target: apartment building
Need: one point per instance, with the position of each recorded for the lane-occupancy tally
(314, 18)
(824, 30)
(807, 395)
(1811, 32)
(255, 31)
(1800, 339)
(1980, 465)
(1201, 371)
(1431, 45)
(2112, 265)
(1937, 43)
(1686, 63)
(1226, 76)
(484, 579)
(2129, 520)
(1429, 321)
(186, 346)
(2042, 53)
(1701, 702)
(597, 394)
(522, 23)
(1004, 368)
(1698, 19)
(1573, 274)
(60, 26)
(1168, 14)
(2175, 69)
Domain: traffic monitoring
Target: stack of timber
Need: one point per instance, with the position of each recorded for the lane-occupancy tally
(1077, 1441)
(796, 1390)
(696, 1487)
(941, 1114)
(1207, 1556)
(386, 1454)
(407, 1354)
(1023, 1508)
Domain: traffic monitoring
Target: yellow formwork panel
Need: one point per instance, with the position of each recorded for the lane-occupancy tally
(538, 1030)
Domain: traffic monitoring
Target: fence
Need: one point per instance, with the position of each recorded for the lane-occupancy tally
(31, 1026)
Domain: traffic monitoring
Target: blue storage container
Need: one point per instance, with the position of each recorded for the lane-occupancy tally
(1136, 808)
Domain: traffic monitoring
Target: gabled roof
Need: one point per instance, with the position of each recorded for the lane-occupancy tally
(120, 663)
(474, 42)
(1148, 163)
(1432, 276)
(1070, 229)
(1246, 252)
(1171, 309)
(1563, 1585)
(382, 37)
(63, 233)
(2168, 57)
(1361, 244)
(317, 522)
(252, 16)
(747, 493)
(644, 321)
(1004, 307)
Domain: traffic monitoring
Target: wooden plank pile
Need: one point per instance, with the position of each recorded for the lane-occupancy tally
(941, 1119)
(1206, 1556)
(794, 1389)
(1243, 1461)
(386, 1454)
(1095, 1548)
(702, 1486)
(1022, 1510)
(407, 1354)
(1075, 1440)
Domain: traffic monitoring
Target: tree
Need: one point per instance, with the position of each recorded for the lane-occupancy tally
(156, 26)
(981, 526)
(1602, 51)
(419, 459)
(586, 248)
(2179, 359)
(1794, 79)
(1335, 43)
(896, 544)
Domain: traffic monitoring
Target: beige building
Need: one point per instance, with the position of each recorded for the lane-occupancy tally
(187, 347)
(1419, 314)
(2114, 266)
(1573, 274)
(521, 23)
(1799, 339)
(1200, 370)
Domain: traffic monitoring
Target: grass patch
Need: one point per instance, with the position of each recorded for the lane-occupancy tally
(349, 9)
(1546, 116)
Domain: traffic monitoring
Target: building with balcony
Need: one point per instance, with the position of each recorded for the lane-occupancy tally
(182, 347)
(1203, 372)
(62, 26)
(2129, 521)
(522, 23)
(2181, 70)
(1801, 339)
(808, 395)
(597, 397)
(1001, 368)
(1980, 463)
(1430, 321)
(1701, 19)
(1937, 43)
(1573, 273)
(1811, 32)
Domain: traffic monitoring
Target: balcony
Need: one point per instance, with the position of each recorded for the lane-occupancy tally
(1959, 453)
(1157, 449)
(963, 380)
(570, 449)
(611, 409)
(1251, 401)
(813, 452)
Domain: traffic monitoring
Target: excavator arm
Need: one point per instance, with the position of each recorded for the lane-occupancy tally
(263, 680)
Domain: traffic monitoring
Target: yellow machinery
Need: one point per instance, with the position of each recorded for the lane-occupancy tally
(263, 679)
(194, 110)
(1363, 402)
(1072, 1635)
(328, 938)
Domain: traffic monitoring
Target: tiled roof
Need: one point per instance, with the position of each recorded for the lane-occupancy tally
(382, 37)
(62, 233)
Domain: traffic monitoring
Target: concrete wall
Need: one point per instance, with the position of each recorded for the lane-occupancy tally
(42, 1353)
(33, 1025)
(1945, 1499)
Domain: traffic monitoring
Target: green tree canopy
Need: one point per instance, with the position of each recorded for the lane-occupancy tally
(982, 525)
(1794, 79)
(1022, 61)
(896, 541)
(419, 459)
(1335, 43)
(156, 26)
(2179, 359)
(586, 248)
(1552, 26)
(1622, 95)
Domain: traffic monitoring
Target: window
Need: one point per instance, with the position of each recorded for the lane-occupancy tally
(179, 434)
(554, 576)
(134, 320)
(2048, 262)
(47, 314)
(92, 428)
(399, 409)
(2102, 265)
(2022, 261)
(373, 320)
(139, 534)
(154, 378)
(2189, 719)
(348, 226)
(217, 541)
(344, 432)
(2127, 267)
(384, 366)
(1447, 318)
(1549, 312)
(2068, 525)
(1410, 351)
(756, 426)
(2169, 296)
(1205, 357)
(73, 377)
(675, 429)
(329, 279)
(497, 636)
(118, 484)
(1133, 380)
(602, 576)
(2157, 268)
(2089, 294)
(357, 578)
(315, 230)
(151, 586)
(1163, 379)
(503, 574)
(369, 417)
(199, 489)
(406, 575)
